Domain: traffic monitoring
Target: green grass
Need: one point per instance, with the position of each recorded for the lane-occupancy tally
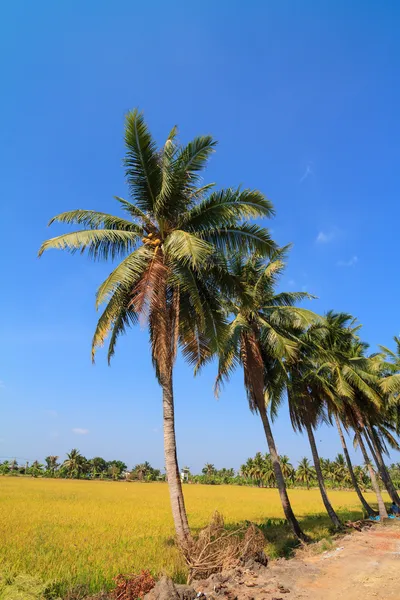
(83, 532)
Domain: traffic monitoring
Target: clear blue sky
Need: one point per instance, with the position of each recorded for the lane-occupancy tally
(304, 99)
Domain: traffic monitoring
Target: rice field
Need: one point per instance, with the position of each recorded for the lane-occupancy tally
(83, 532)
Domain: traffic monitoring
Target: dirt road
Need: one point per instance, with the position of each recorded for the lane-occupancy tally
(365, 566)
(362, 566)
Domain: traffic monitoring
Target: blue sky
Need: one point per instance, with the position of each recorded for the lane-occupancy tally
(303, 98)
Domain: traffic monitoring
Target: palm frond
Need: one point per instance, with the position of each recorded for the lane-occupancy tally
(223, 208)
(117, 309)
(193, 158)
(100, 244)
(141, 162)
(95, 220)
(126, 274)
(244, 238)
(186, 247)
(135, 212)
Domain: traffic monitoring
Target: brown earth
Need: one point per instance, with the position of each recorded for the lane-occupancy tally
(362, 566)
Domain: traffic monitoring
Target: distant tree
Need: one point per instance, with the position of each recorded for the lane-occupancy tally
(209, 469)
(36, 468)
(52, 464)
(119, 464)
(114, 471)
(305, 472)
(5, 467)
(75, 463)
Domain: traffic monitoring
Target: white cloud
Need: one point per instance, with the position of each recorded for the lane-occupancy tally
(80, 431)
(348, 263)
(325, 237)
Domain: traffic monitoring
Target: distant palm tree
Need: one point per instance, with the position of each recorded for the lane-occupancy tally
(305, 472)
(51, 463)
(209, 469)
(286, 466)
(170, 245)
(114, 472)
(74, 463)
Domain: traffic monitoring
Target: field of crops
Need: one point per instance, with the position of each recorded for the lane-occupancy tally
(87, 532)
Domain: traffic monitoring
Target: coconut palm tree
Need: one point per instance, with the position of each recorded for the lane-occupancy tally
(209, 469)
(169, 245)
(305, 473)
(75, 463)
(268, 474)
(286, 466)
(306, 392)
(259, 338)
(51, 463)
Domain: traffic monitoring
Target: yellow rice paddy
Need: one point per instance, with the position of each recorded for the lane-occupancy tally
(87, 532)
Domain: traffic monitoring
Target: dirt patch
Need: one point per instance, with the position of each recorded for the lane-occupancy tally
(362, 566)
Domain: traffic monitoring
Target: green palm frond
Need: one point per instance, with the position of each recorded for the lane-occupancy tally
(141, 162)
(224, 207)
(95, 220)
(194, 156)
(136, 213)
(188, 248)
(125, 275)
(100, 244)
(114, 312)
(241, 238)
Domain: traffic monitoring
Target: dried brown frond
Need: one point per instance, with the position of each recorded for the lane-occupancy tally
(217, 549)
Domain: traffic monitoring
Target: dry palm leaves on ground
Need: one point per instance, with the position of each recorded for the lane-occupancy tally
(218, 549)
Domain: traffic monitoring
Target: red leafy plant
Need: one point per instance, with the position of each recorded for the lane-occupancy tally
(132, 587)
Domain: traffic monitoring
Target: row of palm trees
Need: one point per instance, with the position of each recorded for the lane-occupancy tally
(74, 466)
(335, 472)
(195, 267)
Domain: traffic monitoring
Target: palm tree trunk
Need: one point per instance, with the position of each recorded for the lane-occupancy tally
(171, 464)
(280, 480)
(382, 508)
(384, 473)
(363, 501)
(329, 508)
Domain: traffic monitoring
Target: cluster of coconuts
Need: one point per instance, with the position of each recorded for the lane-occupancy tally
(148, 240)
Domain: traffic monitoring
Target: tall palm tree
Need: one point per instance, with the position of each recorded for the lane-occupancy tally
(169, 246)
(350, 387)
(305, 473)
(306, 391)
(352, 473)
(259, 338)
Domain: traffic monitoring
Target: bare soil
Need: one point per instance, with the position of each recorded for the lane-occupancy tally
(361, 566)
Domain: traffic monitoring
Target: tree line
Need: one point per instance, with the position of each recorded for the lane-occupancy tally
(77, 466)
(195, 266)
(257, 471)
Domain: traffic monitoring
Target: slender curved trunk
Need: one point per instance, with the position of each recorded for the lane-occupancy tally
(171, 464)
(280, 480)
(329, 508)
(383, 472)
(382, 508)
(363, 501)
